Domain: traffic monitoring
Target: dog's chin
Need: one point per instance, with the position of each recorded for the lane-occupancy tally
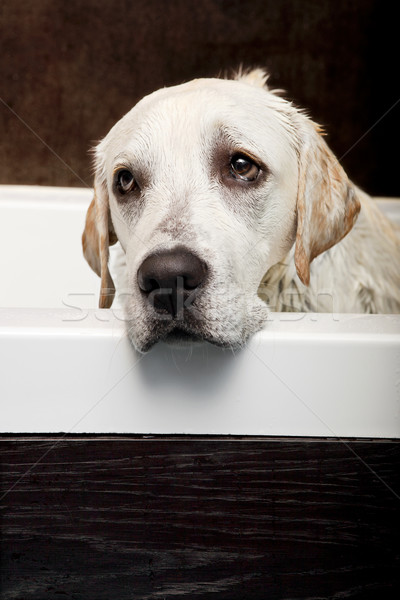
(181, 333)
(175, 337)
(181, 338)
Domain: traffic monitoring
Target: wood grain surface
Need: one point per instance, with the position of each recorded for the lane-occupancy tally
(201, 518)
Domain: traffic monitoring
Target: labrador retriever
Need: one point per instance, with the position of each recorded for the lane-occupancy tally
(228, 203)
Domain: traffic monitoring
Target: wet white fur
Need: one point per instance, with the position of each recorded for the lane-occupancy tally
(247, 237)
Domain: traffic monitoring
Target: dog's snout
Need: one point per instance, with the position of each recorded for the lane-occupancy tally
(170, 276)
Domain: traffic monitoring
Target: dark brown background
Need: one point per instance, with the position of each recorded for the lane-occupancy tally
(69, 70)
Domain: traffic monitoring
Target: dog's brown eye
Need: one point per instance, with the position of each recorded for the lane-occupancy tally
(244, 168)
(125, 181)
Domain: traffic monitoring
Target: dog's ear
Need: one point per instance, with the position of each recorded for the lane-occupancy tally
(98, 235)
(327, 206)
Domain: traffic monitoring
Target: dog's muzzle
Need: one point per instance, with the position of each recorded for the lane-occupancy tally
(171, 279)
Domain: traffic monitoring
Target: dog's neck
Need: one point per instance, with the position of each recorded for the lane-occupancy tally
(347, 267)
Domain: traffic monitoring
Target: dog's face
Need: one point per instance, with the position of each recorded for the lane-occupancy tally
(207, 185)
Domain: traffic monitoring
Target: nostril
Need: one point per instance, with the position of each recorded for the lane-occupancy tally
(148, 284)
(152, 284)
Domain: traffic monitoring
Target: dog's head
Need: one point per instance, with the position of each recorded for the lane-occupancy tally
(207, 185)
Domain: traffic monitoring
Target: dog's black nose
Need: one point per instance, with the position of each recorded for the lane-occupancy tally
(170, 277)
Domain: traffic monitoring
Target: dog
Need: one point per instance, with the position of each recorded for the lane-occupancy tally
(228, 204)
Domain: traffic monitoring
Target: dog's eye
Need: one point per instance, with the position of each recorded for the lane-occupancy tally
(125, 181)
(244, 168)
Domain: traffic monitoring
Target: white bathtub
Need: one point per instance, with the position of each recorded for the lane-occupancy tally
(70, 369)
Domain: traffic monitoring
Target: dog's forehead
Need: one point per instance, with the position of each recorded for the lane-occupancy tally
(194, 111)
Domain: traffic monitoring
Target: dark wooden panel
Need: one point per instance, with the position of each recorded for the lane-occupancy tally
(228, 518)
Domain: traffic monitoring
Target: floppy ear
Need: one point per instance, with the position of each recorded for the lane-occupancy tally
(327, 206)
(98, 235)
